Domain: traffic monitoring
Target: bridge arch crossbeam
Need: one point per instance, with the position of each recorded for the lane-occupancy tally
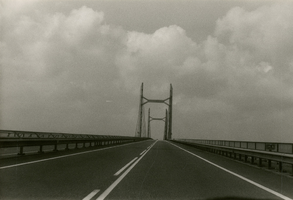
(156, 101)
(158, 119)
(164, 119)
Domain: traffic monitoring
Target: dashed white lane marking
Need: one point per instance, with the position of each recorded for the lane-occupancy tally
(237, 175)
(91, 195)
(142, 152)
(57, 157)
(123, 168)
(109, 189)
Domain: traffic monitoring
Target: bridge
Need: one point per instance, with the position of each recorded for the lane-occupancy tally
(44, 165)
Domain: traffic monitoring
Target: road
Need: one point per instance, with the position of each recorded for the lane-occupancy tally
(143, 170)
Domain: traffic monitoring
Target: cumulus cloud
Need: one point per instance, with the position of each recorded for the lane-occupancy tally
(241, 72)
(58, 70)
(73, 72)
(155, 57)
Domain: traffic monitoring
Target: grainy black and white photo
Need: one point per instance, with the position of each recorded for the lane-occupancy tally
(146, 99)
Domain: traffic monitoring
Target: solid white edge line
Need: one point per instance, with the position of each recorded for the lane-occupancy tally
(113, 185)
(237, 175)
(123, 168)
(142, 152)
(74, 154)
(91, 195)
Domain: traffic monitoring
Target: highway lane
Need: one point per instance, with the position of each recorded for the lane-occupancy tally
(67, 177)
(149, 170)
(280, 182)
(168, 172)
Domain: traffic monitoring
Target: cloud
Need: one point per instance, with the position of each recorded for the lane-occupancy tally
(242, 72)
(154, 57)
(264, 32)
(58, 70)
(73, 72)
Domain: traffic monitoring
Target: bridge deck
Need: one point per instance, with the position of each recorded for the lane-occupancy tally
(159, 170)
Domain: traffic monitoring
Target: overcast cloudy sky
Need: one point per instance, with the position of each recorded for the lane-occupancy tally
(77, 66)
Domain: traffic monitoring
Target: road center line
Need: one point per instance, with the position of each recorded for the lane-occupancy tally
(123, 168)
(142, 152)
(57, 157)
(91, 195)
(109, 189)
(237, 175)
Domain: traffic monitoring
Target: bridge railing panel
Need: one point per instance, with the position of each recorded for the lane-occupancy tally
(261, 146)
(21, 139)
(279, 153)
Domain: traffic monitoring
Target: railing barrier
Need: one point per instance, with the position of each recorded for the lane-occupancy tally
(22, 139)
(253, 152)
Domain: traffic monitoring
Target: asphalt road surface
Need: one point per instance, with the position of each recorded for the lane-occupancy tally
(143, 170)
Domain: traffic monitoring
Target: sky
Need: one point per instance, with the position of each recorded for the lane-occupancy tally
(77, 66)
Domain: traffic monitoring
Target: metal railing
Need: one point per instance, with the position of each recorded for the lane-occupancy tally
(21, 139)
(286, 148)
(261, 153)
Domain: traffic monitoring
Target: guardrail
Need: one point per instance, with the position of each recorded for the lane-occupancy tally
(261, 153)
(21, 139)
(261, 146)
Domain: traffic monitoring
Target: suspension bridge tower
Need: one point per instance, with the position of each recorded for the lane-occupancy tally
(141, 125)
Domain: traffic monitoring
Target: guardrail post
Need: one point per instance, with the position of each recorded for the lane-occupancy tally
(259, 162)
(67, 146)
(21, 151)
(55, 147)
(252, 160)
(76, 145)
(269, 164)
(280, 166)
(41, 149)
